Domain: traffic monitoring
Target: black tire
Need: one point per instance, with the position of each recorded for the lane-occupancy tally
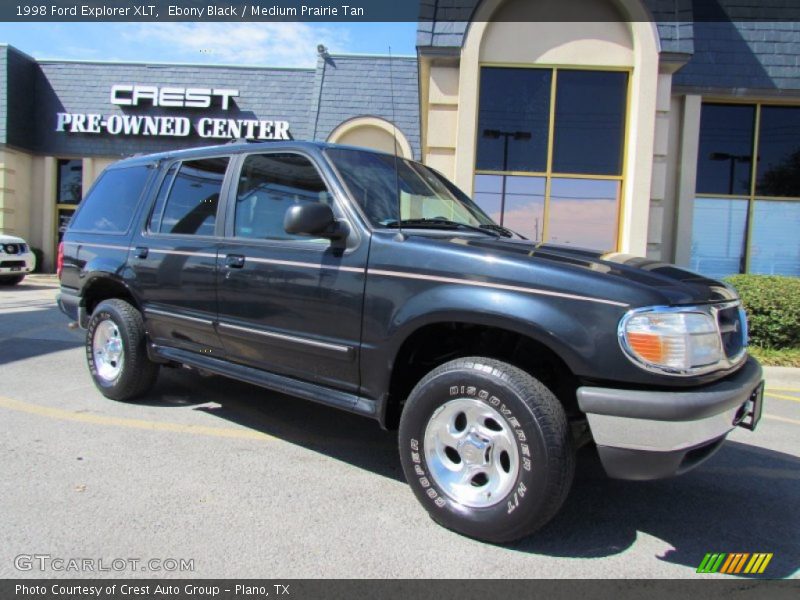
(137, 372)
(536, 424)
(16, 279)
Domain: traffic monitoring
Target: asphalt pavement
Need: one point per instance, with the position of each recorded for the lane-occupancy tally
(213, 478)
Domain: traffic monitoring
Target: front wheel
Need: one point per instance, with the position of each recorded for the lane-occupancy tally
(116, 352)
(486, 449)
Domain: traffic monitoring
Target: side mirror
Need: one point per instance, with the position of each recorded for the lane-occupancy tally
(312, 219)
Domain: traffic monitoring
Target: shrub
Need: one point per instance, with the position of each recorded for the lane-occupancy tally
(39, 260)
(772, 304)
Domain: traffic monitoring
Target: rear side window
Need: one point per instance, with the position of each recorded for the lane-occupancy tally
(188, 198)
(110, 205)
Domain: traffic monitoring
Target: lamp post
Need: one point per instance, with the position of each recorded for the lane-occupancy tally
(733, 159)
(495, 134)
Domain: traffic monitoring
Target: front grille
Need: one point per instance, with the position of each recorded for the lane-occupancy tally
(733, 329)
(12, 263)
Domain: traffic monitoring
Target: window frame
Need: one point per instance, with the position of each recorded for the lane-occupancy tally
(310, 243)
(548, 174)
(753, 196)
(164, 167)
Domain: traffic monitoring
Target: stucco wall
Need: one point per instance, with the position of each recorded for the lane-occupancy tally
(15, 192)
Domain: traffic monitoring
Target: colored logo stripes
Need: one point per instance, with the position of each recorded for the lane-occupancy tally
(735, 562)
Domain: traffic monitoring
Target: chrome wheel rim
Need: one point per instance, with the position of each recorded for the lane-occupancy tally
(107, 350)
(471, 452)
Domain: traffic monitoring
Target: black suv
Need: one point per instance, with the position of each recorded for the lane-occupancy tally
(371, 283)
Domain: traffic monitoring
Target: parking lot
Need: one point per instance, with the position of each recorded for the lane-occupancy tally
(248, 483)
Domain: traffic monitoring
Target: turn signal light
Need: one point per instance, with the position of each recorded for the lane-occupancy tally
(648, 346)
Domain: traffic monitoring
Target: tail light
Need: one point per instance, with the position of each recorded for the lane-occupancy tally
(60, 259)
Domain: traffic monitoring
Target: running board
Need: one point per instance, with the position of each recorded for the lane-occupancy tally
(277, 383)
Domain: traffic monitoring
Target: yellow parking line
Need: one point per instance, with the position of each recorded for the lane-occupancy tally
(67, 415)
(781, 396)
(783, 419)
(795, 390)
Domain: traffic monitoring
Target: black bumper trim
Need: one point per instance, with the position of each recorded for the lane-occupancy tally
(678, 405)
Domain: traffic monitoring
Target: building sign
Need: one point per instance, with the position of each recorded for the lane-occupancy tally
(178, 97)
(168, 125)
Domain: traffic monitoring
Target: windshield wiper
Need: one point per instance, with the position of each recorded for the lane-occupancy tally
(440, 223)
(500, 229)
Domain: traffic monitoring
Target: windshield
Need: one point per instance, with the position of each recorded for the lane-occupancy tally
(424, 194)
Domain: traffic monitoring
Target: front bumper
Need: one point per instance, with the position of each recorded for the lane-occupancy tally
(12, 265)
(643, 434)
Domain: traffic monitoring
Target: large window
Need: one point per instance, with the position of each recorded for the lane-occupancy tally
(747, 207)
(550, 150)
(69, 187)
(69, 191)
(268, 186)
(188, 198)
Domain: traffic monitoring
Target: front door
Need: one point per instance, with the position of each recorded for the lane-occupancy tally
(288, 304)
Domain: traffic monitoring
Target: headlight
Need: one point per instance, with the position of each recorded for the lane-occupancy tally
(670, 340)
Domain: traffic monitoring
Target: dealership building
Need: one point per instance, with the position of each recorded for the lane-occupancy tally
(631, 133)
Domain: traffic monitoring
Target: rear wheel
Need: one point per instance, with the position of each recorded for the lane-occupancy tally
(116, 351)
(486, 449)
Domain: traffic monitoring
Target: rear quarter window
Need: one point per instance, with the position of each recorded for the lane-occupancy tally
(112, 201)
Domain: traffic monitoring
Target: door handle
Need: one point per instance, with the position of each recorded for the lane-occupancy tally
(234, 261)
(140, 252)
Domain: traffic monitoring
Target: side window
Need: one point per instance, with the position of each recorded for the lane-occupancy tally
(110, 205)
(188, 198)
(269, 184)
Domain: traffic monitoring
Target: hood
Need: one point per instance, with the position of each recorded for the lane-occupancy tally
(11, 239)
(672, 285)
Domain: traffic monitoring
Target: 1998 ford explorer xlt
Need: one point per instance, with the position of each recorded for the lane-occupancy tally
(370, 283)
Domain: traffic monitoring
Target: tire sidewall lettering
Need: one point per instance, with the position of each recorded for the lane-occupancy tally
(99, 317)
(519, 492)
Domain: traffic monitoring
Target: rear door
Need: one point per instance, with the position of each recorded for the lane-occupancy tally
(289, 304)
(174, 258)
(103, 224)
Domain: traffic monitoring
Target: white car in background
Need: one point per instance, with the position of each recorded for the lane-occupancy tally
(16, 259)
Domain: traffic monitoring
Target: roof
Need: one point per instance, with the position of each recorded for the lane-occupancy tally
(313, 100)
(347, 87)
